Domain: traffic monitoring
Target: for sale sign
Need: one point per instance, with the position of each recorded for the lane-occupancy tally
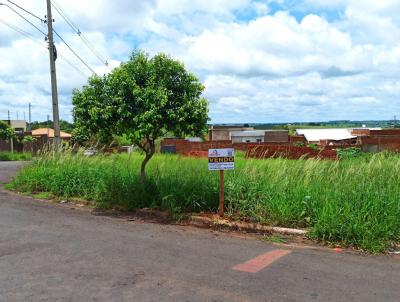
(221, 159)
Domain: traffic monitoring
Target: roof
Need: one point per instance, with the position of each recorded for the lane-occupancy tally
(315, 135)
(49, 132)
(248, 133)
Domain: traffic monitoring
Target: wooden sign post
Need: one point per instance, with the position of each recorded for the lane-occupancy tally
(221, 159)
(221, 193)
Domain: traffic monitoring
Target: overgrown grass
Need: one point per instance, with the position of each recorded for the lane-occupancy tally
(354, 202)
(15, 156)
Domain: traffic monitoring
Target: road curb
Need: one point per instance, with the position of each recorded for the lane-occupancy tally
(238, 225)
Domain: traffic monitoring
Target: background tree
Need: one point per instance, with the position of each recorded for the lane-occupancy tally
(144, 99)
(6, 133)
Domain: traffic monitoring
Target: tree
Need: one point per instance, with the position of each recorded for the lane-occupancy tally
(64, 125)
(144, 99)
(7, 133)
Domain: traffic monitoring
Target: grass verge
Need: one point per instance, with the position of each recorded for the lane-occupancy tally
(353, 202)
(15, 156)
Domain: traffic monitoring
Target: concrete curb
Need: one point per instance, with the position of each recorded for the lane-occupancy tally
(237, 225)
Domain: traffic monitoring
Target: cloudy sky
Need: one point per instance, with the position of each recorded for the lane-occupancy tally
(261, 61)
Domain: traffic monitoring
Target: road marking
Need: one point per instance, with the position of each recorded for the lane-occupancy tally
(257, 264)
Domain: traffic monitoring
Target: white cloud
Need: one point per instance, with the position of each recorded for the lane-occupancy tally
(268, 66)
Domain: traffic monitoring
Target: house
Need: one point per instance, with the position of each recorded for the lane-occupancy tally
(222, 133)
(238, 134)
(247, 136)
(259, 136)
(49, 133)
(19, 126)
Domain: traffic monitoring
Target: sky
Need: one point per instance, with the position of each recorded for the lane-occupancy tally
(261, 61)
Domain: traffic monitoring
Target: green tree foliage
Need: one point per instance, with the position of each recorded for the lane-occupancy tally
(144, 99)
(6, 132)
(64, 125)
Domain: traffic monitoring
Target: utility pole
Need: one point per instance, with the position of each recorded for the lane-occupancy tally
(12, 139)
(54, 93)
(29, 127)
(48, 126)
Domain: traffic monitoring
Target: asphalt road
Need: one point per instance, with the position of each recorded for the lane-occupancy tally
(50, 252)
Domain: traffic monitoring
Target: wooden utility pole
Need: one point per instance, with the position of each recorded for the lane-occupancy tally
(221, 193)
(54, 92)
(29, 127)
(12, 139)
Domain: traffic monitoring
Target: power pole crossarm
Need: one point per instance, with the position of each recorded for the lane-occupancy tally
(54, 92)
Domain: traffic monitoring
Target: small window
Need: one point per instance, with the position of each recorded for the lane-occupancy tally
(259, 140)
(248, 141)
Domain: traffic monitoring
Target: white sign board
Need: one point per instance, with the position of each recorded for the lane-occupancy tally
(221, 159)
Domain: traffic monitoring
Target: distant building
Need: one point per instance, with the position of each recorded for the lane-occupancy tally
(222, 133)
(333, 136)
(260, 136)
(238, 134)
(17, 125)
(247, 136)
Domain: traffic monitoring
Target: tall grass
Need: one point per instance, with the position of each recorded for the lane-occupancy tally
(352, 202)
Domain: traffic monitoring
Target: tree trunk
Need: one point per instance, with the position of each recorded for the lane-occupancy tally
(149, 155)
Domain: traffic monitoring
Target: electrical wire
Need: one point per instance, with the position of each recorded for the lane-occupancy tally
(77, 31)
(28, 12)
(17, 29)
(37, 28)
(32, 38)
(58, 35)
(73, 51)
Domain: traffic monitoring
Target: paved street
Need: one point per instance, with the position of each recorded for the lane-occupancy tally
(50, 252)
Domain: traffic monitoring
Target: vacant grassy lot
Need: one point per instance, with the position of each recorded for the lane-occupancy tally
(354, 202)
(8, 156)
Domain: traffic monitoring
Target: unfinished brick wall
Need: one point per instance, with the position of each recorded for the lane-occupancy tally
(385, 132)
(380, 143)
(185, 147)
(258, 150)
(291, 152)
(297, 139)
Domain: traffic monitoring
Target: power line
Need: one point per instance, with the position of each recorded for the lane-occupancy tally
(18, 30)
(28, 12)
(32, 38)
(58, 35)
(77, 31)
(37, 28)
(73, 51)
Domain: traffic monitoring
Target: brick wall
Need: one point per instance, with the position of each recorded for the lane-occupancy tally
(291, 152)
(185, 147)
(380, 143)
(4, 146)
(276, 136)
(385, 132)
(297, 139)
